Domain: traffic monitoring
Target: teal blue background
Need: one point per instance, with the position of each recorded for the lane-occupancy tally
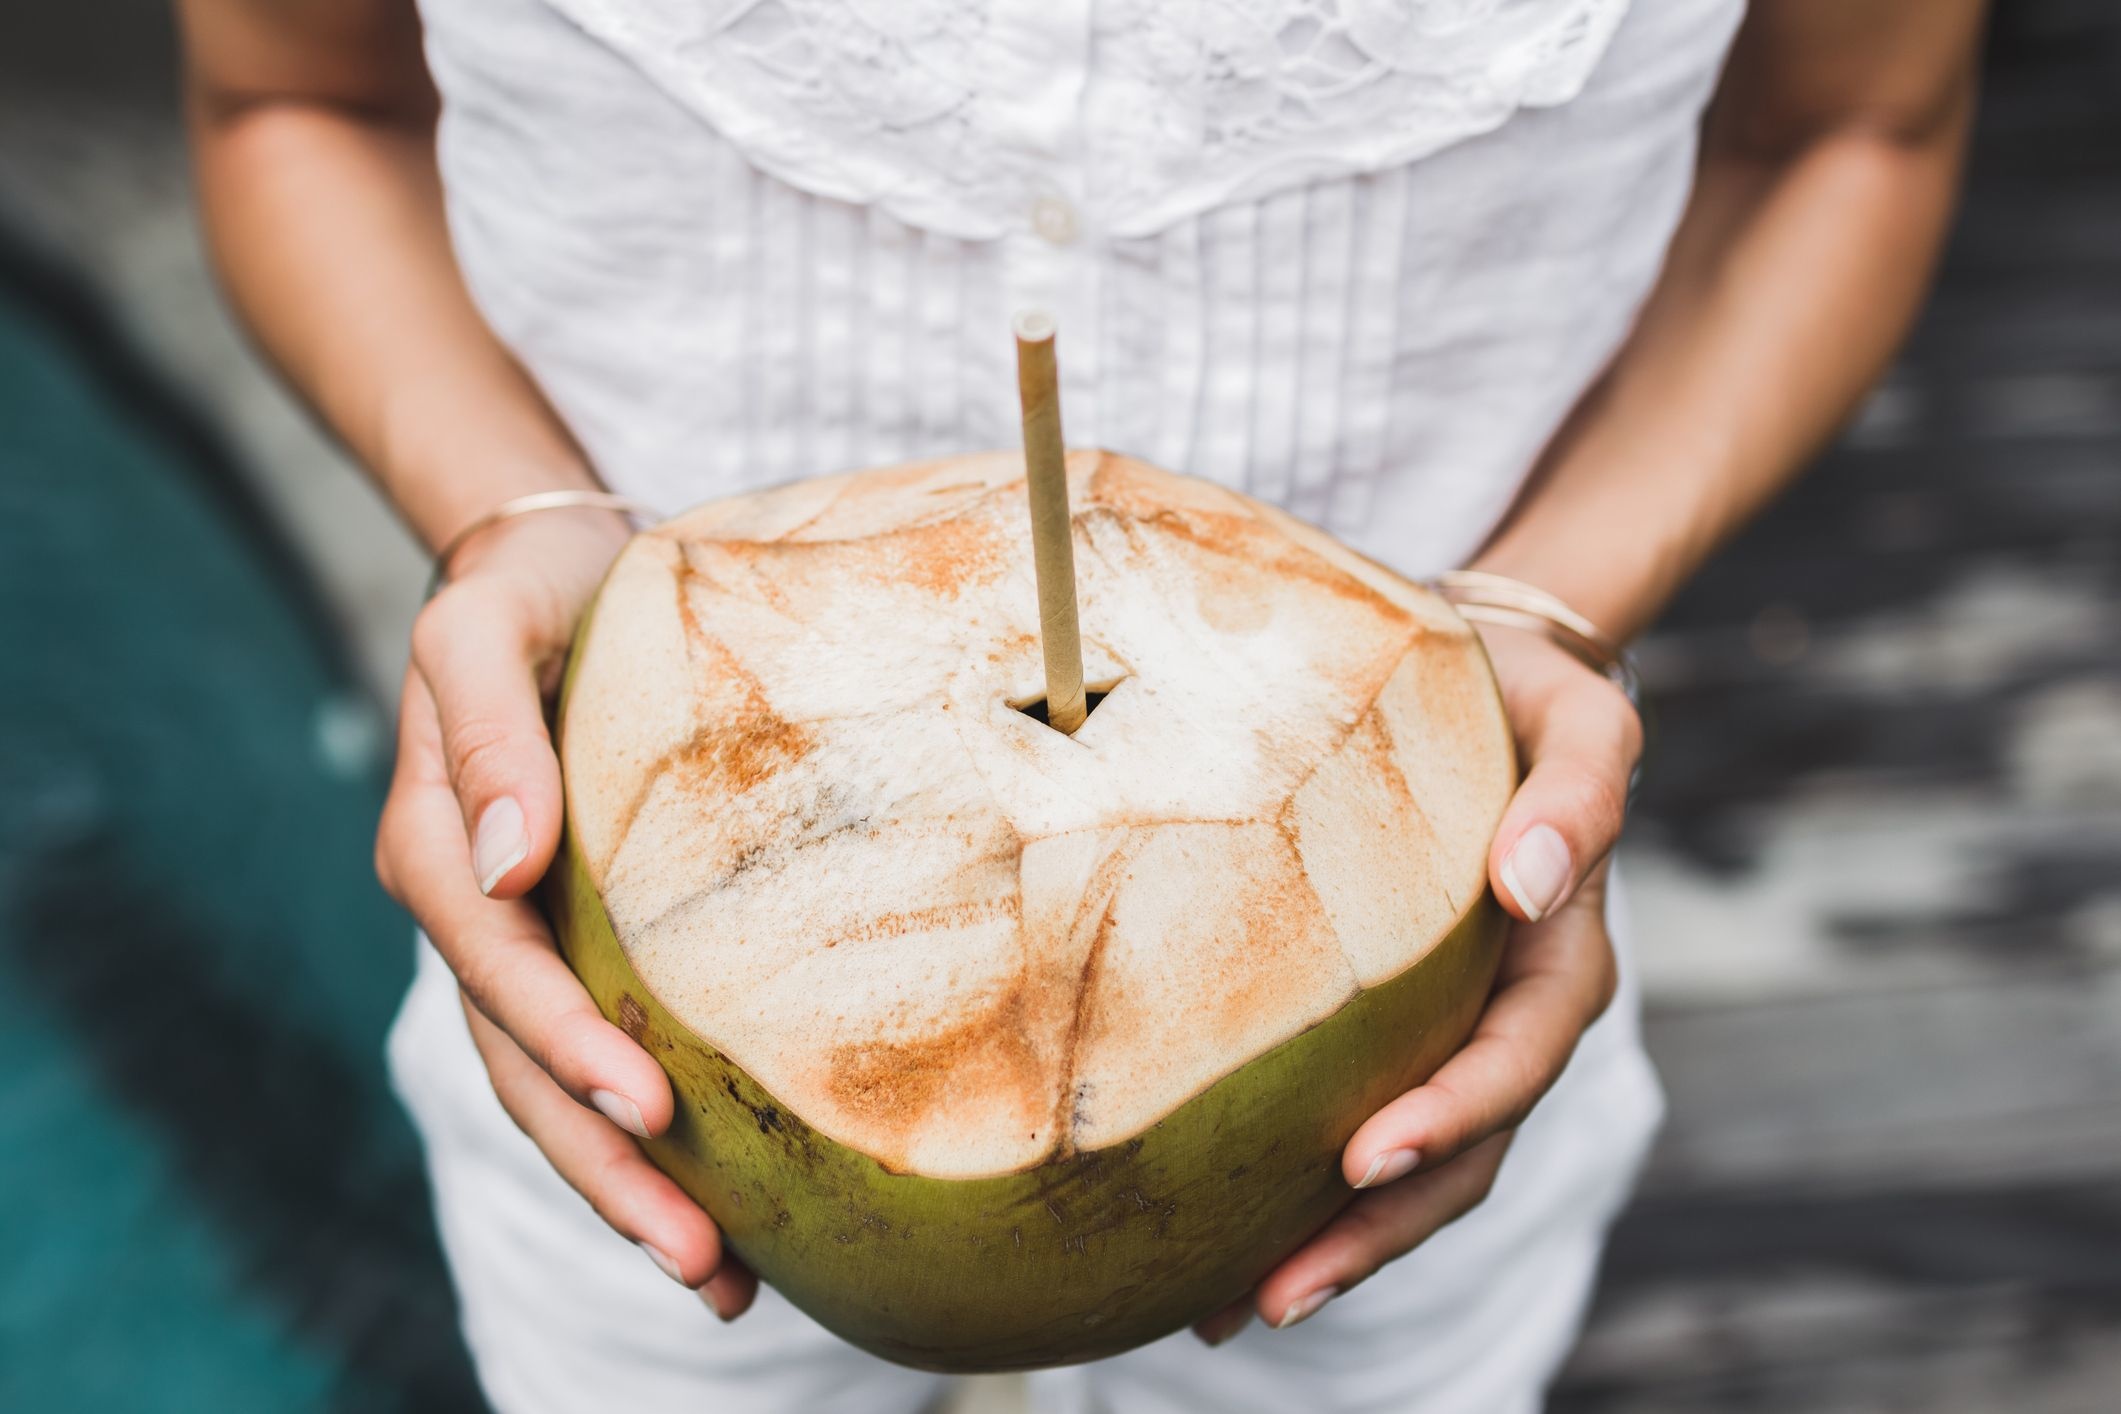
(208, 1199)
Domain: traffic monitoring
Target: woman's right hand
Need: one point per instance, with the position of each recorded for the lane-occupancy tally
(470, 826)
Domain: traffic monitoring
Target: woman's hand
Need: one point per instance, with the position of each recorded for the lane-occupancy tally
(1431, 1155)
(471, 824)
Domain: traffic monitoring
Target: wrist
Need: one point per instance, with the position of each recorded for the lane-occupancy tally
(567, 538)
(1538, 643)
(1528, 654)
(1601, 556)
(1601, 604)
(558, 555)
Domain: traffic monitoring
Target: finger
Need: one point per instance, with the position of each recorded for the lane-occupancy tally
(1375, 1229)
(732, 1289)
(1227, 1322)
(1556, 978)
(639, 1201)
(479, 646)
(418, 768)
(1582, 738)
(502, 953)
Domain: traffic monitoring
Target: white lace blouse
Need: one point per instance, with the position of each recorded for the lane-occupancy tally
(1355, 256)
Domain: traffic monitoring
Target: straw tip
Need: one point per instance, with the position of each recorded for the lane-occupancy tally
(1034, 326)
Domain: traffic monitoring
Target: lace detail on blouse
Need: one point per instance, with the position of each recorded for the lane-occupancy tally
(952, 114)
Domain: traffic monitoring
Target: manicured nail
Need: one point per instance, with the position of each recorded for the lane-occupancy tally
(620, 1111)
(1229, 1332)
(1391, 1165)
(499, 843)
(1537, 871)
(1305, 1307)
(714, 1304)
(662, 1259)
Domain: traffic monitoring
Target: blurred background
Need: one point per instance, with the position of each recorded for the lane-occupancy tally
(1877, 863)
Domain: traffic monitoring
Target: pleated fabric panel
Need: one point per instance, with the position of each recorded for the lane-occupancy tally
(847, 347)
(1384, 353)
(1256, 345)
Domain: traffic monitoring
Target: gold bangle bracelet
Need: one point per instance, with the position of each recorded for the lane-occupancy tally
(573, 498)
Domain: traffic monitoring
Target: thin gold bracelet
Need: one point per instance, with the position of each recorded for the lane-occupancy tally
(573, 498)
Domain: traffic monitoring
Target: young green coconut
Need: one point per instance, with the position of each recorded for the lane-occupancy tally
(996, 1047)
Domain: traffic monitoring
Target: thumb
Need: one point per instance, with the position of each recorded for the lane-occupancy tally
(479, 647)
(1582, 740)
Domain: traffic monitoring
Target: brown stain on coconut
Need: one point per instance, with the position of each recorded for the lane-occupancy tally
(950, 556)
(942, 917)
(727, 756)
(1278, 914)
(737, 755)
(1237, 549)
(996, 1050)
(896, 1084)
(1237, 554)
(1101, 896)
(746, 745)
(943, 557)
(633, 1018)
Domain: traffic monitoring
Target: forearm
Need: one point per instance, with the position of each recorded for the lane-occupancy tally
(326, 224)
(1789, 285)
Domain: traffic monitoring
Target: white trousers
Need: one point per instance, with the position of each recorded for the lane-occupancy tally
(563, 1316)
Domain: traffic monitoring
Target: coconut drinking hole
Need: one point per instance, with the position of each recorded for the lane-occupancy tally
(1036, 708)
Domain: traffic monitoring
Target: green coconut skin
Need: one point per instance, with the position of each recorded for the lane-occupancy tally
(1083, 1256)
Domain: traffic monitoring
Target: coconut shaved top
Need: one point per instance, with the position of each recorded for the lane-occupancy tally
(945, 934)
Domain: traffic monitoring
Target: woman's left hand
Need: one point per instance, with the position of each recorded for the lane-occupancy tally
(1431, 1155)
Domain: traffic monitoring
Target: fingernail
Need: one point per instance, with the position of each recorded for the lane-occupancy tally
(1391, 1165)
(1226, 1333)
(1537, 871)
(662, 1259)
(499, 843)
(620, 1111)
(1306, 1307)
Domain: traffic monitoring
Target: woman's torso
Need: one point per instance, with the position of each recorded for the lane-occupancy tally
(1378, 325)
(1358, 257)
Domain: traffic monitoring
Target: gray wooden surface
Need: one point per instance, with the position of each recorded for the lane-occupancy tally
(1879, 863)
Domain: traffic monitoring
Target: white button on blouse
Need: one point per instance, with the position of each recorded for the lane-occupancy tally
(1354, 256)
(1053, 218)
